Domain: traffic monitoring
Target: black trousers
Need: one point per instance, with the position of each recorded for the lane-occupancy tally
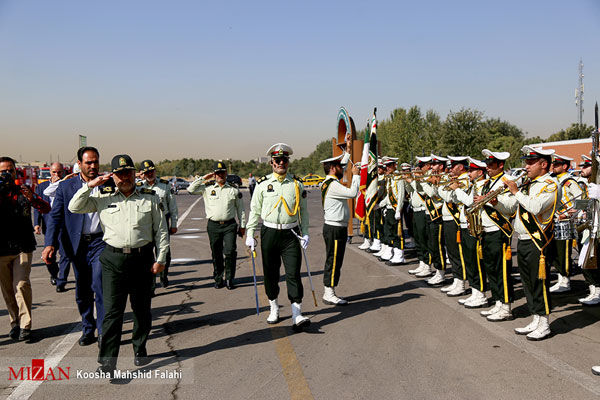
(497, 265)
(335, 246)
(281, 245)
(223, 243)
(390, 230)
(475, 271)
(125, 275)
(435, 243)
(419, 221)
(537, 291)
(454, 249)
(407, 217)
(559, 256)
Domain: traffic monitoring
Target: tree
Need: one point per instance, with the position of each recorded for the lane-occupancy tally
(463, 133)
(575, 131)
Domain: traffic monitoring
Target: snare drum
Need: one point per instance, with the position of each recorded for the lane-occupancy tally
(565, 230)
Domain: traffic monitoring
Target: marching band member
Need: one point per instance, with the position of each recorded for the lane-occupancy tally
(535, 203)
(417, 202)
(393, 214)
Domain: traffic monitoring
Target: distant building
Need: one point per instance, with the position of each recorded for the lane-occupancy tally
(570, 148)
(262, 160)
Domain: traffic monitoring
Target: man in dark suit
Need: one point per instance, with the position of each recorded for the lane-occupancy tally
(84, 243)
(59, 272)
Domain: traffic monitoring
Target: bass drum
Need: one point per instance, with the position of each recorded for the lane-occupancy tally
(565, 230)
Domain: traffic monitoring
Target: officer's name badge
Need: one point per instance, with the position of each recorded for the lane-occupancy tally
(213, 193)
(270, 188)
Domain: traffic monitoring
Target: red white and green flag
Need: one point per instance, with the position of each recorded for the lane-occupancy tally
(368, 171)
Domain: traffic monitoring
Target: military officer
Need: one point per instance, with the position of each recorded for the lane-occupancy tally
(496, 236)
(470, 237)
(375, 215)
(222, 203)
(132, 221)
(163, 189)
(561, 249)
(417, 202)
(280, 201)
(393, 228)
(592, 276)
(434, 204)
(451, 223)
(334, 196)
(535, 203)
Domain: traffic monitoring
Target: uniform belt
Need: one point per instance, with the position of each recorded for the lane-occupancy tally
(229, 221)
(280, 226)
(129, 250)
(89, 237)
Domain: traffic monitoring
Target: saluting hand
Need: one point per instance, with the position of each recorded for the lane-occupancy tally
(157, 268)
(99, 180)
(208, 176)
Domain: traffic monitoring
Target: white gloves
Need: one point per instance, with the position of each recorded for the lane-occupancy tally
(398, 215)
(594, 191)
(250, 242)
(304, 241)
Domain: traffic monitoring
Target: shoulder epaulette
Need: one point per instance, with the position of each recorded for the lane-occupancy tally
(107, 189)
(139, 183)
(261, 179)
(147, 191)
(163, 180)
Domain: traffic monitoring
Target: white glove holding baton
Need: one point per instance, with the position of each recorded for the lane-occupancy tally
(398, 216)
(250, 242)
(304, 241)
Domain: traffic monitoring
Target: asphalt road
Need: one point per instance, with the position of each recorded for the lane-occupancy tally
(397, 339)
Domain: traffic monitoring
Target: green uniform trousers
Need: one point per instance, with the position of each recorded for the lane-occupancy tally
(390, 230)
(537, 291)
(435, 243)
(378, 218)
(221, 235)
(497, 266)
(277, 245)
(559, 256)
(475, 271)
(419, 221)
(122, 275)
(454, 250)
(335, 246)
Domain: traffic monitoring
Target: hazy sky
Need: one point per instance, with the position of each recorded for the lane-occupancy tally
(223, 79)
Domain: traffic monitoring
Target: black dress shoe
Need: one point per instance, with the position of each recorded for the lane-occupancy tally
(60, 289)
(219, 285)
(230, 284)
(99, 340)
(25, 335)
(14, 333)
(165, 282)
(141, 358)
(53, 281)
(86, 340)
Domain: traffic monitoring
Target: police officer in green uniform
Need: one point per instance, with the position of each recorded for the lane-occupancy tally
(132, 221)
(163, 189)
(334, 197)
(222, 203)
(280, 201)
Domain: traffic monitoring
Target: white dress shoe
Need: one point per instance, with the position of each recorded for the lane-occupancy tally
(382, 249)
(478, 301)
(529, 328)
(375, 246)
(448, 288)
(589, 296)
(366, 244)
(273, 317)
(387, 254)
(542, 331)
(329, 297)
(492, 310)
(437, 279)
(503, 314)
(299, 321)
(596, 370)
(418, 269)
(397, 258)
(458, 290)
(562, 285)
(426, 271)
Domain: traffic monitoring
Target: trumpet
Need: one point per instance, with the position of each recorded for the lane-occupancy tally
(462, 182)
(475, 207)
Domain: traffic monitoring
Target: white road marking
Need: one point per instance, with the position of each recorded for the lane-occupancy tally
(584, 380)
(186, 237)
(192, 229)
(197, 218)
(52, 358)
(185, 214)
(182, 260)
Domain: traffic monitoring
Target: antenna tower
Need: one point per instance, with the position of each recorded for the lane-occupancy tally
(579, 93)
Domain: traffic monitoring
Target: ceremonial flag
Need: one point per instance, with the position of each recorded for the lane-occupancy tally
(368, 171)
